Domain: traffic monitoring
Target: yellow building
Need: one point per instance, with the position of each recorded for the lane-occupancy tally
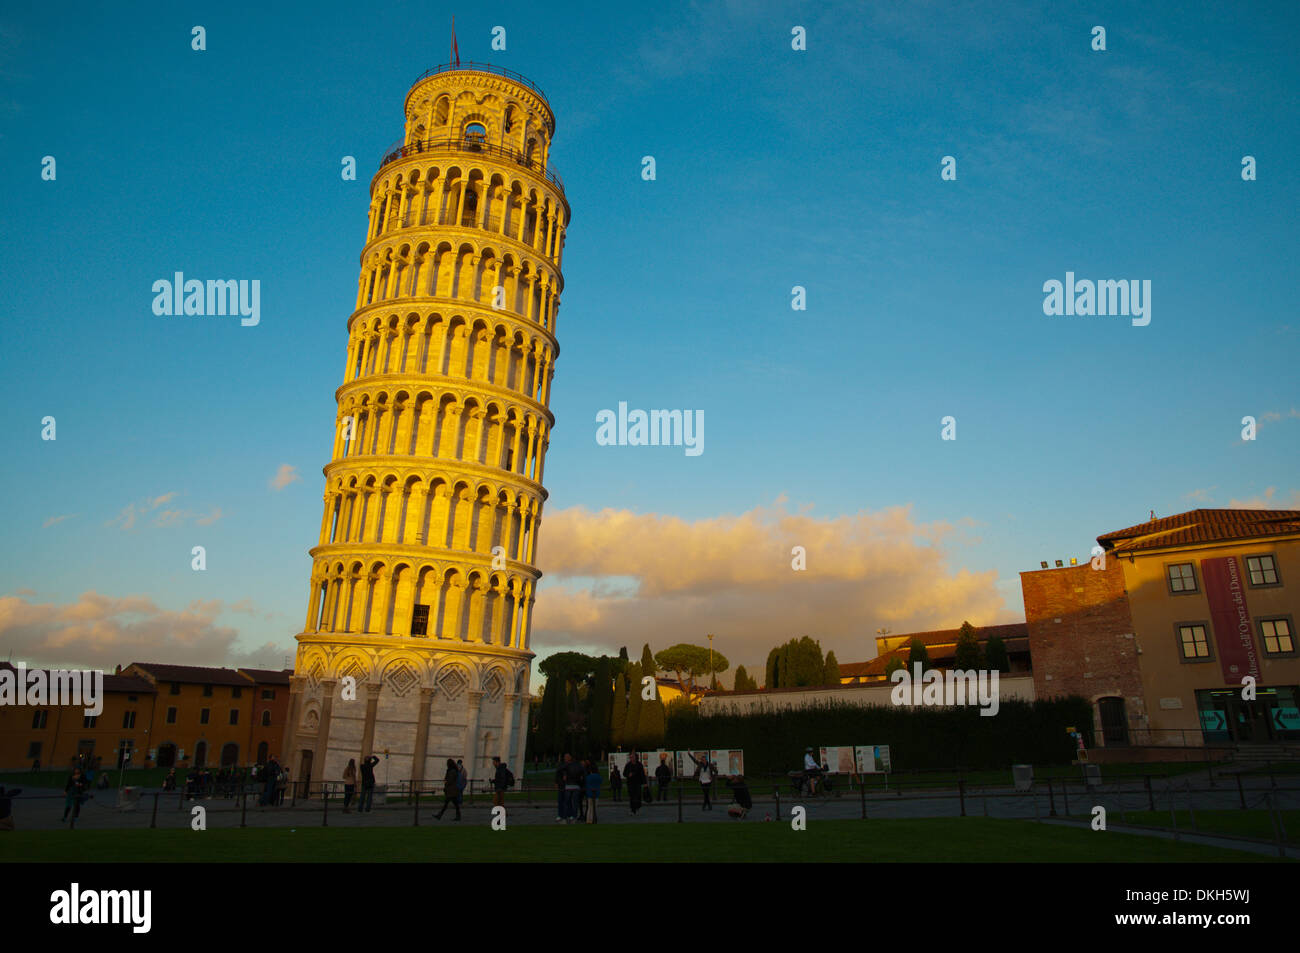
(1161, 633)
(423, 576)
(1213, 598)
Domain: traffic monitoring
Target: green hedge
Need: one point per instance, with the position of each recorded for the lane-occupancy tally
(919, 738)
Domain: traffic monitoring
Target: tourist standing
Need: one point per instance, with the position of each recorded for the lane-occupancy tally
(502, 780)
(573, 778)
(349, 784)
(366, 804)
(592, 785)
(704, 771)
(634, 774)
(664, 775)
(615, 780)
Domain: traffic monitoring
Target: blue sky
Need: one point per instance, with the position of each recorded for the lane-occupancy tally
(775, 168)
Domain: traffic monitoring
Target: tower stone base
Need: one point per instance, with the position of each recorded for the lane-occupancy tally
(412, 707)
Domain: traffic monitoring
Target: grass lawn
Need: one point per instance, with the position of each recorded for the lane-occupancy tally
(1250, 823)
(884, 841)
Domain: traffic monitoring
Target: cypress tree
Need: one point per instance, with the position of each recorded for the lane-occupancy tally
(995, 655)
(917, 652)
(632, 728)
(618, 717)
(967, 654)
(770, 674)
(832, 670)
(654, 723)
(783, 667)
(602, 698)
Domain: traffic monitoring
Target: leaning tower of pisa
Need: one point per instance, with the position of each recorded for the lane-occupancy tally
(423, 578)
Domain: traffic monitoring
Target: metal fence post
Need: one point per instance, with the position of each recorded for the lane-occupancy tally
(153, 819)
(961, 794)
(1151, 797)
(679, 804)
(415, 800)
(325, 806)
(1241, 793)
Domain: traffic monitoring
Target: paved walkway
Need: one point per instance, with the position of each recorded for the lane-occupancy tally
(43, 809)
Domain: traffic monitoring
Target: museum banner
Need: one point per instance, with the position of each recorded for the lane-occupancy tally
(1230, 618)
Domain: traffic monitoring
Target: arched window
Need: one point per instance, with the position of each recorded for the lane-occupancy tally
(266, 720)
(475, 136)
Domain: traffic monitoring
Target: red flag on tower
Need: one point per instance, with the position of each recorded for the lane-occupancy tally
(455, 51)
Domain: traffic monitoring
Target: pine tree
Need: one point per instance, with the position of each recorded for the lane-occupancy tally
(783, 668)
(832, 670)
(893, 665)
(770, 675)
(545, 740)
(742, 682)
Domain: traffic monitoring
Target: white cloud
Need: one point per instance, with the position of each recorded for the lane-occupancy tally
(284, 476)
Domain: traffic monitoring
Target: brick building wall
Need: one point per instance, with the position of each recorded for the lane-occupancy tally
(1081, 638)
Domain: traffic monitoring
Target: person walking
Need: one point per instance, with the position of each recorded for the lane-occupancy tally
(366, 804)
(73, 794)
(349, 785)
(450, 789)
(634, 774)
(559, 792)
(615, 780)
(281, 785)
(592, 787)
(502, 780)
(169, 782)
(664, 775)
(461, 781)
(705, 772)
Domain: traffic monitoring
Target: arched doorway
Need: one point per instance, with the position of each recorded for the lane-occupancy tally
(200, 754)
(1114, 723)
(167, 755)
(262, 752)
(229, 754)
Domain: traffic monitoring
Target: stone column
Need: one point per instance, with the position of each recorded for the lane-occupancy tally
(372, 709)
(422, 735)
(327, 687)
(297, 685)
(509, 711)
(473, 704)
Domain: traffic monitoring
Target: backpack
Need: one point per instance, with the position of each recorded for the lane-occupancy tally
(510, 778)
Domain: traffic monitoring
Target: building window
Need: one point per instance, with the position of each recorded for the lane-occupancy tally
(420, 620)
(1278, 636)
(236, 691)
(1193, 642)
(268, 694)
(1182, 578)
(128, 719)
(88, 721)
(133, 698)
(34, 750)
(234, 716)
(176, 688)
(171, 716)
(207, 691)
(204, 714)
(39, 717)
(266, 719)
(1262, 571)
